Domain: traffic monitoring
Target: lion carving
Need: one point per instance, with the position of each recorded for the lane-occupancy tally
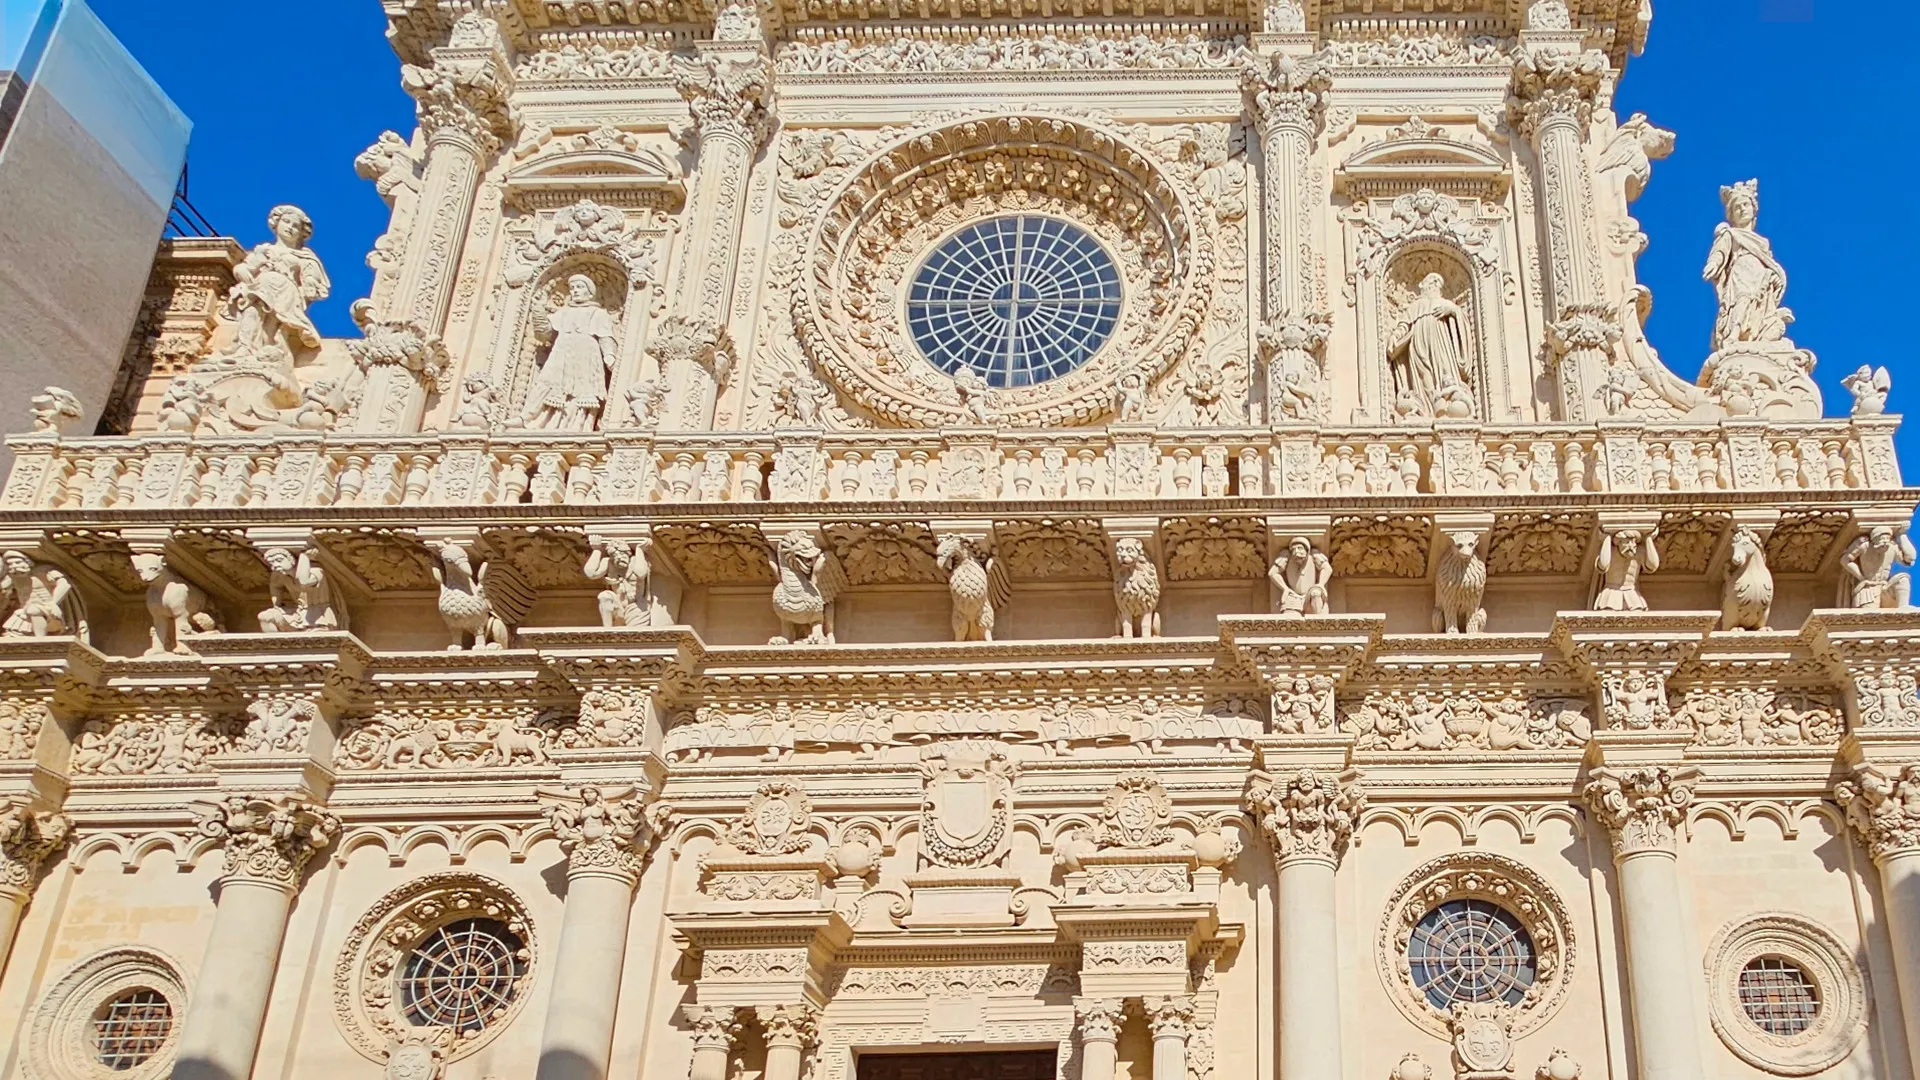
(1136, 590)
(1460, 586)
(177, 608)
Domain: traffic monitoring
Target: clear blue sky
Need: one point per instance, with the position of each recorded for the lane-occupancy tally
(283, 97)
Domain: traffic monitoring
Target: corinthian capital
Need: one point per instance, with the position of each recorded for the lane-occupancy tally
(1100, 1018)
(1306, 815)
(727, 96)
(465, 92)
(1286, 91)
(1642, 808)
(268, 840)
(696, 339)
(1550, 84)
(1886, 813)
(712, 1025)
(27, 837)
(789, 1025)
(605, 833)
(1169, 1016)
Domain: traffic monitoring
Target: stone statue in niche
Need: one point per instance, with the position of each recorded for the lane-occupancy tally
(1868, 581)
(570, 390)
(39, 600)
(1746, 596)
(1428, 352)
(623, 568)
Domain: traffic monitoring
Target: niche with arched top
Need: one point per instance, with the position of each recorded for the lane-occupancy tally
(536, 338)
(1432, 337)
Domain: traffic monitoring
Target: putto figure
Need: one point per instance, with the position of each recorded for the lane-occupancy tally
(809, 580)
(1300, 576)
(978, 583)
(1623, 557)
(1136, 590)
(1870, 387)
(1868, 581)
(39, 600)
(571, 389)
(623, 568)
(301, 597)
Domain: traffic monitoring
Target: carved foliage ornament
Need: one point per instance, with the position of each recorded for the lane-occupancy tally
(1306, 814)
(1884, 811)
(605, 835)
(27, 838)
(1642, 808)
(1492, 879)
(268, 841)
(1135, 814)
(847, 311)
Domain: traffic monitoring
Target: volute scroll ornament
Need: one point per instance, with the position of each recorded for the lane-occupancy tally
(1306, 814)
(1641, 807)
(268, 841)
(1883, 810)
(605, 832)
(28, 838)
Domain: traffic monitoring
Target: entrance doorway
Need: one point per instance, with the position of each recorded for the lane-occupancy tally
(1015, 1065)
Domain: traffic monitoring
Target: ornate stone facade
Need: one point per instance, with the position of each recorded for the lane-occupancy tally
(1152, 541)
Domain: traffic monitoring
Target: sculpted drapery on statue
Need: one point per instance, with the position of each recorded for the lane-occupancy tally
(571, 389)
(1750, 282)
(1428, 352)
(273, 286)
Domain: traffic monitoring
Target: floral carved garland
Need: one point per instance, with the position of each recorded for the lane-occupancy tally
(1472, 875)
(848, 313)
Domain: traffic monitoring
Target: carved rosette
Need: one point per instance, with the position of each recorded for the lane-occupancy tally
(268, 842)
(1885, 812)
(1169, 1016)
(1100, 1019)
(849, 311)
(1306, 815)
(604, 837)
(712, 1027)
(27, 839)
(1642, 808)
(789, 1025)
(727, 97)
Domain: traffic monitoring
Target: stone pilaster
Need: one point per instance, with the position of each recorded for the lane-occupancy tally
(728, 99)
(1308, 818)
(1885, 811)
(1642, 806)
(266, 844)
(27, 839)
(1286, 97)
(792, 1030)
(1555, 84)
(606, 841)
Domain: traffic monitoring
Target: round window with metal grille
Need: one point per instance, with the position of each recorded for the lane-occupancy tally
(1019, 300)
(1471, 951)
(462, 975)
(130, 1028)
(1778, 996)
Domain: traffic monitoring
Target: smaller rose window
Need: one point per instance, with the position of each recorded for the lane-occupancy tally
(1018, 300)
(1778, 997)
(1471, 951)
(131, 1028)
(463, 975)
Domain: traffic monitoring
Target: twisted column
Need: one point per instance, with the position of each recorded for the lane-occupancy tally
(1308, 818)
(606, 843)
(267, 843)
(791, 1030)
(1552, 105)
(1100, 1021)
(728, 99)
(1642, 809)
(27, 839)
(1287, 97)
(714, 1030)
(1886, 815)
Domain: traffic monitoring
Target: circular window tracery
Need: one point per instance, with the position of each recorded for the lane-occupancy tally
(1471, 951)
(1777, 996)
(1019, 300)
(462, 975)
(131, 1028)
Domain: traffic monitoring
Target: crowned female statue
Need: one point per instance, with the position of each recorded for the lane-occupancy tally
(1750, 281)
(1428, 352)
(571, 388)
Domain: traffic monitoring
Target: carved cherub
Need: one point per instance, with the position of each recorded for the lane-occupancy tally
(54, 409)
(1129, 398)
(1868, 580)
(1869, 387)
(1136, 589)
(178, 609)
(39, 600)
(972, 388)
(478, 404)
(623, 567)
(1300, 576)
(1624, 555)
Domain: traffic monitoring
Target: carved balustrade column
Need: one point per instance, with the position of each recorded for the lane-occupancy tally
(606, 844)
(729, 98)
(1885, 812)
(1170, 1020)
(1642, 807)
(791, 1032)
(1308, 818)
(1286, 96)
(1100, 1020)
(462, 102)
(27, 839)
(267, 844)
(714, 1030)
(1554, 86)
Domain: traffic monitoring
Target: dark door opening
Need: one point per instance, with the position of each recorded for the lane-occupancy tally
(1014, 1065)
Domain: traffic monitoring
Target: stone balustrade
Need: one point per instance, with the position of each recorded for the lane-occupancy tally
(950, 465)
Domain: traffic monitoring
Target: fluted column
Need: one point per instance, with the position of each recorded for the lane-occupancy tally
(728, 98)
(1642, 809)
(1170, 1019)
(1308, 818)
(1886, 814)
(791, 1031)
(1286, 96)
(714, 1030)
(27, 839)
(1552, 104)
(606, 844)
(267, 844)
(1100, 1020)
(462, 104)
